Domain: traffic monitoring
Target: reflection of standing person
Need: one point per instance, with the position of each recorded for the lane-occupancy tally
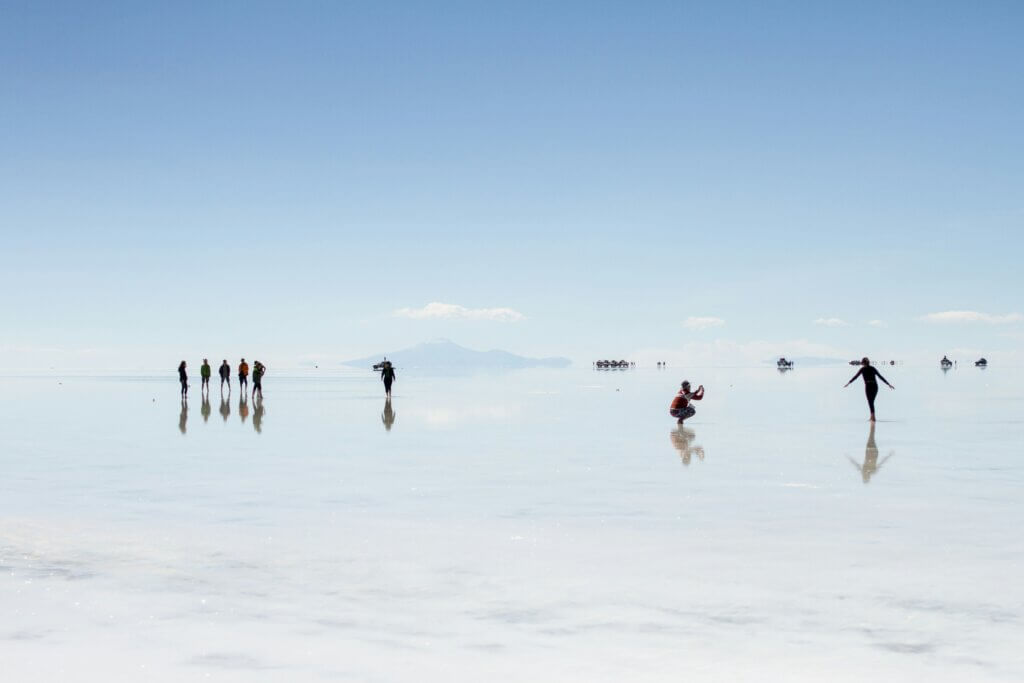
(257, 412)
(387, 374)
(869, 373)
(205, 408)
(183, 378)
(871, 464)
(243, 376)
(243, 407)
(205, 372)
(680, 407)
(225, 408)
(183, 417)
(225, 375)
(388, 416)
(258, 370)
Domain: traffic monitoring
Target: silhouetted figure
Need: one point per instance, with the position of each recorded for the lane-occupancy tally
(183, 378)
(183, 417)
(258, 370)
(225, 408)
(243, 407)
(871, 464)
(682, 441)
(205, 408)
(243, 376)
(257, 413)
(387, 375)
(869, 373)
(225, 375)
(204, 373)
(680, 407)
(388, 416)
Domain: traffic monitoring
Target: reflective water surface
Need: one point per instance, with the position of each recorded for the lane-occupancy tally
(530, 525)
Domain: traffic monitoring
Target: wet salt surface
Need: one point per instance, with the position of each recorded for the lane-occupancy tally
(551, 525)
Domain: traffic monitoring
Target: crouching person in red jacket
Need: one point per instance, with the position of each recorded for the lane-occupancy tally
(681, 407)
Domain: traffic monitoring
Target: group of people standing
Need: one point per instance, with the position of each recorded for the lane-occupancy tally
(206, 372)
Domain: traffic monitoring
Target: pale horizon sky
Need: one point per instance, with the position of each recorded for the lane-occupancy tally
(705, 181)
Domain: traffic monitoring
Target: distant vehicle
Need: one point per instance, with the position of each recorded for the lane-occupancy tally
(981, 363)
(612, 364)
(784, 364)
(945, 362)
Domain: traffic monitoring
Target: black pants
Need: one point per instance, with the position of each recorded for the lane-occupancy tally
(387, 386)
(871, 390)
(184, 387)
(243, 381)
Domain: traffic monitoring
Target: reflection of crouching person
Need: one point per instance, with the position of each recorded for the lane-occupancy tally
(681, 408)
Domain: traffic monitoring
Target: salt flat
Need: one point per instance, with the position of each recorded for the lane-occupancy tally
(542, 525)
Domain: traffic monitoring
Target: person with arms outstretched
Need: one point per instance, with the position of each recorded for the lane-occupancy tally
(871, 377)
(681, 408)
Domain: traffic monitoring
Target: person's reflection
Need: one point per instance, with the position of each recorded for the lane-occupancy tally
(183, 418)
(225, 408)
(243, 408)
(682, 441)
(205, 409)
(871, 464)
(388, 416)
(257, 414)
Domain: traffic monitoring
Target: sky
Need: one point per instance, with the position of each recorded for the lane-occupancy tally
(721, 182)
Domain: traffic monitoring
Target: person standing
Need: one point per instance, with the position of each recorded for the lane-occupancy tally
(258, 370)
(204, 373)
(871, 377)
(680, 407)
(225, 375)
(243, 376)
(183, 378)
(387, 374)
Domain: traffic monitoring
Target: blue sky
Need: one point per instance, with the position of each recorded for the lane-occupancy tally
(280, 179)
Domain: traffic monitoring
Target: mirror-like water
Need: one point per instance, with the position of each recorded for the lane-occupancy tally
(552, 524)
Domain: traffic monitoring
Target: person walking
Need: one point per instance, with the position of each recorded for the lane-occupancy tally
(204, 373)
(871, 377)
(387, 374)
(258, 370)
(183, 378)
(243, 376)
(680, 407)
(225, 375)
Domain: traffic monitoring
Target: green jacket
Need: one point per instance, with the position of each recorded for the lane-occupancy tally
(205, 370)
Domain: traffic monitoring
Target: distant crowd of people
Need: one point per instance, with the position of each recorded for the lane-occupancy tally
(206, 372)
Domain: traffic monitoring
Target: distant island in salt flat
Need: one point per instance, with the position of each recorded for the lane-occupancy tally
(443, 353)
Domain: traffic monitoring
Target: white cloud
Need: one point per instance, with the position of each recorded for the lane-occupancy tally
(439, 311)
(831, 322)
(877, 323)
(971, 317)
(702, 323)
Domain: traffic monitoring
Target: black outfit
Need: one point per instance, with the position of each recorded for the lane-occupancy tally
(225, 374)
(388, 375)
(183, 378)
(869, 374)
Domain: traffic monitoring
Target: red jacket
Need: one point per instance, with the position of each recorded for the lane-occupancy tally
(683, 399)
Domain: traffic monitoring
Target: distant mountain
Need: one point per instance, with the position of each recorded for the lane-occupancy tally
(810, 361)
(446, 354)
